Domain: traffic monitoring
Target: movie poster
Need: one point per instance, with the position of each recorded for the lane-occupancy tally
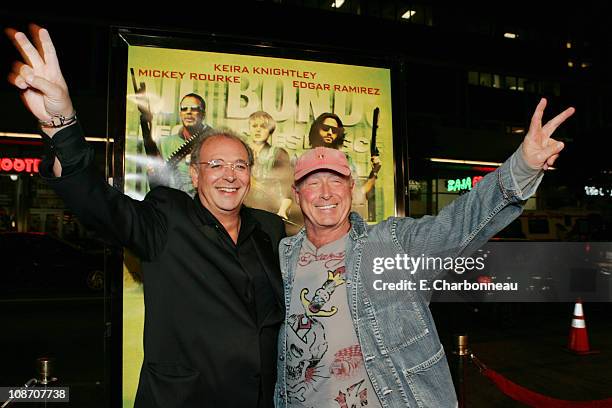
(281, 107)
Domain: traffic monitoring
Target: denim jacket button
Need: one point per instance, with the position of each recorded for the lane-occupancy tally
(281, 357)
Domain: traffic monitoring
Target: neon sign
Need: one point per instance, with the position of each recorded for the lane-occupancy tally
(598, 191)
(464, 184)
(19, 165)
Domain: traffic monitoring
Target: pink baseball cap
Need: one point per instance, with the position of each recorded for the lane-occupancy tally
(321, 158)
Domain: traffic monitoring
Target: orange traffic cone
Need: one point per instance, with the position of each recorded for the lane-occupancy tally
(578, 339)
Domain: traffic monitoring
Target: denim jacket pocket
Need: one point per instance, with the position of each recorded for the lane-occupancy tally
(401, 325)
(425, 364)
(427, 378)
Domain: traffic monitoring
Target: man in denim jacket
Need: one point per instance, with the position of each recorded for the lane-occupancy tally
(345, 343)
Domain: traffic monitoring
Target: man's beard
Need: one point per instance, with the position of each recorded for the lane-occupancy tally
(322, 143)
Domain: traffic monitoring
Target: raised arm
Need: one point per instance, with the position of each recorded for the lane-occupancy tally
(472, 219)
(39, 77)
(138, 225)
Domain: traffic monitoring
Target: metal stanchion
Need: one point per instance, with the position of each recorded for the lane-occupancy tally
(44, 366)
(461, 353)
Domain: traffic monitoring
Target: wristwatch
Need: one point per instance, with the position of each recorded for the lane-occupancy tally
(58, 121)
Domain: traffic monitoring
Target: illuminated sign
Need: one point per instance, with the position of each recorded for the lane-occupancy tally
(19, 165)
(464, 184)
(598, 191)
(414, 185)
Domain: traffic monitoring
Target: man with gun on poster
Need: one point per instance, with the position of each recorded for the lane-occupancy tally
(171, 167)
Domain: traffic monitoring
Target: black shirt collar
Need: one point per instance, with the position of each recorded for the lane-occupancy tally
(247, 222)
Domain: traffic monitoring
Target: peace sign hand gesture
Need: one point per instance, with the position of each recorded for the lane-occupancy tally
(540, 150)
(39, 77)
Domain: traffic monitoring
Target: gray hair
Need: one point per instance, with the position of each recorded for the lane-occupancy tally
(220, 132)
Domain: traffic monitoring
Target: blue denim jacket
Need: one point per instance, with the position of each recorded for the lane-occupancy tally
(402, 353)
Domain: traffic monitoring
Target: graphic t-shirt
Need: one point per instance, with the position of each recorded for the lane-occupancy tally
(324, 362)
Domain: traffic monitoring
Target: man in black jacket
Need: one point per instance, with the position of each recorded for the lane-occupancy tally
(212, 287)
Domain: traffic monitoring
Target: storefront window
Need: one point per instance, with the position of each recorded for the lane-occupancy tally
(473, 78)
(8, 196)
(485, 79)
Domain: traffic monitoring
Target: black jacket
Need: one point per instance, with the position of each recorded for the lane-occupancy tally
(203, 345)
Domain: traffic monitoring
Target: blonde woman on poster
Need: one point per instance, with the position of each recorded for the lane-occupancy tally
(271, 173)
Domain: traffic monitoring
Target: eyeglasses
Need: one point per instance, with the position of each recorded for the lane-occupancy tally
(327, 128)
(194, 108)
(218, 165)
